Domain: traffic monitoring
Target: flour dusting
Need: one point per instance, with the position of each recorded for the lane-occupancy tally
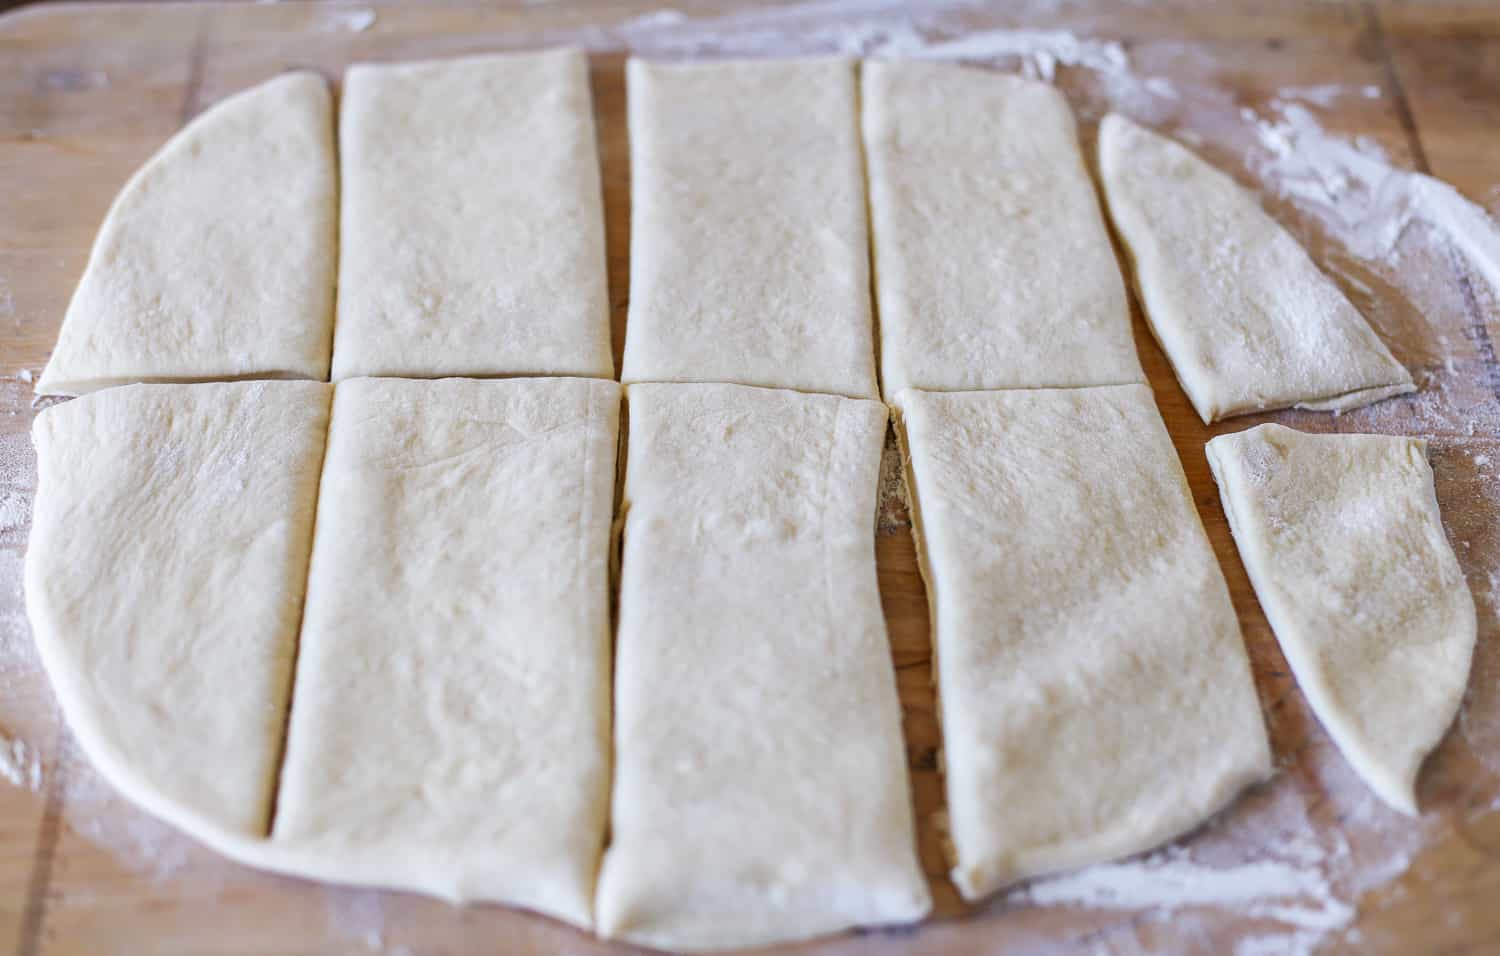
(353, 21)
(1287, 864)
(20, 764)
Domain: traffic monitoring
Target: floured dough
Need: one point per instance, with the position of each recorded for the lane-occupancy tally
(1246, 319)
(473, 224)
(748, 252)
(450, 723)
(1095, 692)
(761, 791)
(992, 264)
(217, 258)
(164, 583)
(1342, 539)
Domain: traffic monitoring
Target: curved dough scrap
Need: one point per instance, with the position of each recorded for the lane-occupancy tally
(164, 583)
(473, 221)
(1343, 541)
(217, 258)
(450, 724)
(993, 266)
(1095, 693)
(1245, 317)
(761, 792)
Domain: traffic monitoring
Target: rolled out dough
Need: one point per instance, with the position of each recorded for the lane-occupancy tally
(450, 722)
(1245, 317)
(748, 252)
(217, 258)
(1342, 539)
(993, 268)
(473, 223)
(761, 792)
(1095, 693)
(164, 583)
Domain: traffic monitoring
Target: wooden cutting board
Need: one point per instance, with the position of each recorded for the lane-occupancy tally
(1305, 861)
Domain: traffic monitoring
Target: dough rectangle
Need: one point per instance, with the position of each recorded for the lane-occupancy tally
(1095, 693)
(164, 582)
(761, 792)
(473, 224)
(450, 721)
(993, 268)
(1343, 541)
(748, 254)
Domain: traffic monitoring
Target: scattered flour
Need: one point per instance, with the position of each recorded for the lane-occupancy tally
(353, 21)
(20, 764)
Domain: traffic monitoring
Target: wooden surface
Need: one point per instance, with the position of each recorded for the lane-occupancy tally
(87, 93)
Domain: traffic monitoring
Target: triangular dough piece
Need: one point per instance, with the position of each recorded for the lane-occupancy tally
(164, 583)
(217, 258)
(1096, 697)
(1245, 317)
(1343, 541)
(993, 266)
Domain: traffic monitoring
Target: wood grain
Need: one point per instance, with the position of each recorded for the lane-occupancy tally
(88, 92)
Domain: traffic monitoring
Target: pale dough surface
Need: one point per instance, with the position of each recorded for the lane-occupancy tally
(1095, 692)
(217, 258)
(748, 253)
(761, 790)
(473, 222)
(1343, 541)
(1245, 317)
(164, 582)
(993, 267)
(450, 723)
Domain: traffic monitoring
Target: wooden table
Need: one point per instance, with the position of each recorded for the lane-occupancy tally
(90, 92)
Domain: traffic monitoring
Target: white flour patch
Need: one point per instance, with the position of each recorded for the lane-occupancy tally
(360, 916)
(1039, 52)
(20, 764)
(1290, 892)
(140, 842)
(352, 21)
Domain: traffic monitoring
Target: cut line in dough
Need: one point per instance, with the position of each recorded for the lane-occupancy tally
(216, 260)
(1247, 320)
(1342, 538)
(1095, 693)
